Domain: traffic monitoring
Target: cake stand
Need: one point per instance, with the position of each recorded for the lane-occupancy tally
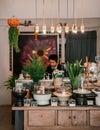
(97, 98)
(42, 99)
(63, 97)
(19, 96)
(81, 98)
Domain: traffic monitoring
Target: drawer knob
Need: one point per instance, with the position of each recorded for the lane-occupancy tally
(74, 117)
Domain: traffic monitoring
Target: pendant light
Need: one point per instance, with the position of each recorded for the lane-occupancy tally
(82, 28)
(67, 26)
(59, 27)
(52, 28)
(74, 27)
(44, 28)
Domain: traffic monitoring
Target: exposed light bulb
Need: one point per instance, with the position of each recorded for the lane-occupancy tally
(74, 28)
(52, 28)
(66, 28)
(82, 28)
(37, 28)
(59, 28)
(44, 29)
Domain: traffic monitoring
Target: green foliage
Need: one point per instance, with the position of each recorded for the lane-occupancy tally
(35, 68)
(10, 83)
(13, 37)
(74, 70)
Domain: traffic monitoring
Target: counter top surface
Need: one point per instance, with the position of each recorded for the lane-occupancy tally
(56, 107)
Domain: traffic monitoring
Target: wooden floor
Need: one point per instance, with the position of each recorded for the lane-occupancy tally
(6, 118)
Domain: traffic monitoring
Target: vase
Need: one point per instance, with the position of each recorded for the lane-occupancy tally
(58, 82)
(36, 87)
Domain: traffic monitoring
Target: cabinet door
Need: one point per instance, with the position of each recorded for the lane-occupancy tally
(41, 118)
(64, 118)
(71, 118)
(79, 118)
(94, 118)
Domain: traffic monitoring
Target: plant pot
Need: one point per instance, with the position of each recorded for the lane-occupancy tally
(42, 99)
(58, 82)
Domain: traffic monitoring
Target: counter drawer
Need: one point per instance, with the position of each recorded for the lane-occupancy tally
(94, 118)
(41, 118)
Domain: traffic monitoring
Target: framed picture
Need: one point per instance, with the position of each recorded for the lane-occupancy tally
(41, 45)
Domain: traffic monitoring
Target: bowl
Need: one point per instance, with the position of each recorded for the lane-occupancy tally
(63, 97)
(42, 99)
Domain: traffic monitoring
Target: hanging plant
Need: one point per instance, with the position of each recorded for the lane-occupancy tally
(13, 32)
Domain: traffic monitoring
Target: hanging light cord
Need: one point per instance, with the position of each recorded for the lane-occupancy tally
(51, 12)
(75, 12)
(36, 10)
(58, 11)
(43, 13)
(67, 9)
(82, 10)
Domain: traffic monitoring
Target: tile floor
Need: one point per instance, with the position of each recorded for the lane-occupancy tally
(6, 118)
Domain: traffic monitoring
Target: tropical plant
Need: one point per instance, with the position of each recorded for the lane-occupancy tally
(35, 68)
(10, 83)
(74, 70)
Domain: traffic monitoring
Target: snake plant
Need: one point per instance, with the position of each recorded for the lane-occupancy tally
(74, 70)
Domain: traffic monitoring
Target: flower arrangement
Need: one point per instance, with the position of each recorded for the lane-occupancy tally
(58, 74)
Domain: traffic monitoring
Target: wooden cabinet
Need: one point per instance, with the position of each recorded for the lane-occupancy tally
(61, 118)
(95, 118)
(72, 117)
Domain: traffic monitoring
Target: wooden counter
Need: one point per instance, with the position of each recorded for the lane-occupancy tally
(61, 118)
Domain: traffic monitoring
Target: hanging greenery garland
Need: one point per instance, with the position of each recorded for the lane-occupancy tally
(13, 32)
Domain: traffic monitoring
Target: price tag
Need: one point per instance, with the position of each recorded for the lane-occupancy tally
(90, 102)
(54, 101)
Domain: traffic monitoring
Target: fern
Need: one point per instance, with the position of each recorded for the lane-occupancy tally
(35, 68)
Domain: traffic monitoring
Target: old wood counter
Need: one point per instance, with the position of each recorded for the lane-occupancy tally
(60, 118)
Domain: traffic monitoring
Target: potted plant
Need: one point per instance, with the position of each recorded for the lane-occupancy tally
(74, 70)
(13, 32)
(35, 68)
(58, 76)
(10, 83)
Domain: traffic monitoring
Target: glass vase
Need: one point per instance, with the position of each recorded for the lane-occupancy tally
(58, 82)
(36, 87)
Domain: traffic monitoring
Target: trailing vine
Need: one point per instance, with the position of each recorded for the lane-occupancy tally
(13, 33)
(13, 38)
